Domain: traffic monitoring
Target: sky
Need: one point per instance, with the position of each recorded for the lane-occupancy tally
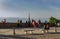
(36, 8)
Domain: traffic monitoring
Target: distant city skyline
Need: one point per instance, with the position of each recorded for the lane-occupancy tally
(36, 8)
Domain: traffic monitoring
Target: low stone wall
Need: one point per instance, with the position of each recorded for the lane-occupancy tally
(8, 25)
(23, 25)
(11, 25)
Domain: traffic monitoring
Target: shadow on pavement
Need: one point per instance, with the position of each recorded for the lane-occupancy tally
(54, 33)
(13, 37)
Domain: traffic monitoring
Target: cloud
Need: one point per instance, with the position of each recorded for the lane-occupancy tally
(1, 3)
(38, 8)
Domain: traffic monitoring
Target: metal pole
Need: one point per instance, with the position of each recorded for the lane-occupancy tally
(14, 31)
(55, 27)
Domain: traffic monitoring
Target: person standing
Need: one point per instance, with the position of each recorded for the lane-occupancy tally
(4, 21)
(34, 23)
(39, 24)
(18, 23)
(46, 26)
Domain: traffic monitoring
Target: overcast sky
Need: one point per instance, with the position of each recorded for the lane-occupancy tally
(36, 8)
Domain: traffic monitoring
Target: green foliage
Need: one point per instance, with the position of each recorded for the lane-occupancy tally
(52, 20)
(58, 21)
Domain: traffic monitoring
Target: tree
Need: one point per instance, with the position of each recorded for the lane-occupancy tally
(52, 20)
(58, 21)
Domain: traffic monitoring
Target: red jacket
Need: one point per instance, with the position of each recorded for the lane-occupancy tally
(34, 23)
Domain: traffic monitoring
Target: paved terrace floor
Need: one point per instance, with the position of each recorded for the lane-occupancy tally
(38, 34)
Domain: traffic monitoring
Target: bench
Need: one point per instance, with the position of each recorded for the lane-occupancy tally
(30, 31)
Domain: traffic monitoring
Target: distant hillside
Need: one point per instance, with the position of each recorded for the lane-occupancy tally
(13, 19)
